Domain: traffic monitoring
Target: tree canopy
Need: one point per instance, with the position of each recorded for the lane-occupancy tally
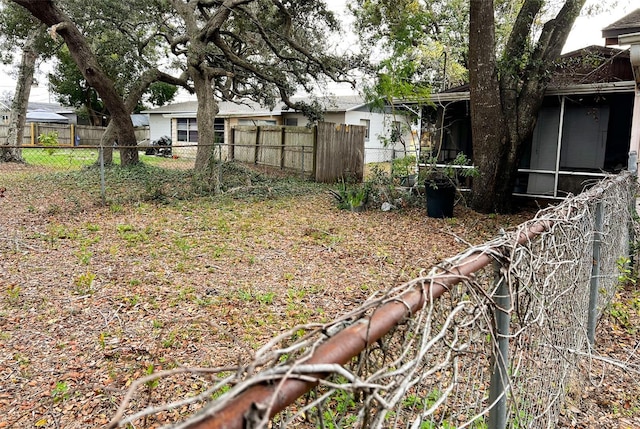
(264, 50)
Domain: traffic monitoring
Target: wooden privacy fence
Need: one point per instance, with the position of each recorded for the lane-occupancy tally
(68, 134)
(327, 151)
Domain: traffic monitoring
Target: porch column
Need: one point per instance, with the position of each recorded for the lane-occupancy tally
(634, 146)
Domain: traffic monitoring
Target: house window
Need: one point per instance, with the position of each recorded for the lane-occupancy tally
(367, 124)
(5, 119)
(291, 122)
(187, 130)
(218, 130)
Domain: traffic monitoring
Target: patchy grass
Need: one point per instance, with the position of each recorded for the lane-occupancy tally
(167, 275)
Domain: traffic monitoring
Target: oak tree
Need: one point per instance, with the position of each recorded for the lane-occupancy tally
(260, 50)
(507, 88)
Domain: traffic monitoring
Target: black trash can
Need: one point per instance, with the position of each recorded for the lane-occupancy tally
(440, 196)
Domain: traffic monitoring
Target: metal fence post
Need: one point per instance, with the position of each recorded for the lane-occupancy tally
(103, 192)
(595, 276)
(219, 181)
(500, 357)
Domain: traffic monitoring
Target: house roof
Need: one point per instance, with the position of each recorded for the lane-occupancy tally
(331, 104)
(226, 109)
(593, 64)
(628, 24)
(45, 116)
(590, 70)
(49, 107)
(339, 103)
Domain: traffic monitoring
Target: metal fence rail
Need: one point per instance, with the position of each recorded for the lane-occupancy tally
(489, 338)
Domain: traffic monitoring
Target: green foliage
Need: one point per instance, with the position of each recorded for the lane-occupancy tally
(350, 197)
(383, 188)
(151, 384)
(16, 26)
(84, 283)
(435, 174)
(403, 166)
(60, 392)
(50, 140)
(625, 271)
(425, 44)
(13, 293)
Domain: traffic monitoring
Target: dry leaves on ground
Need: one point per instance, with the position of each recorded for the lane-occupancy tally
(96, 297)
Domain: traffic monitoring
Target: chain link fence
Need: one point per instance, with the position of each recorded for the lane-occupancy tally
(489, 338)
(168, 169)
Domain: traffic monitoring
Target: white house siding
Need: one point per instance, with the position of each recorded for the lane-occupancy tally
(159, 126)
(379, 130)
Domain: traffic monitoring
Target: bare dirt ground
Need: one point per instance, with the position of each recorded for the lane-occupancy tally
(93, 297)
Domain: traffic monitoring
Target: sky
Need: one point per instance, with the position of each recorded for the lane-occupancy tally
(586, 32)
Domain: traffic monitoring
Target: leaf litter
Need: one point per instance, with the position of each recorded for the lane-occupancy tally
(94, 298)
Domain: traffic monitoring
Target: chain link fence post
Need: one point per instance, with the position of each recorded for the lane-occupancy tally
(500, 358)
(103, 192)
(595, 276)
(219, 181)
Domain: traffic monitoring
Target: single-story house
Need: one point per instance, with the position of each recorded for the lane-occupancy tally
(44, 116)
(4, 113)
(583, 128)
(178, 121)
(42, 112)
(67, 112)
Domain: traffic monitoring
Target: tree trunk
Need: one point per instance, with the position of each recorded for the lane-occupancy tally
(106, 143)
(17, 117)
(207, 111)
(52, 16)
(505, 105)
(488, 127)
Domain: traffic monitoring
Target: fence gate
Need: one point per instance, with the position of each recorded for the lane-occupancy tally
(339, 152)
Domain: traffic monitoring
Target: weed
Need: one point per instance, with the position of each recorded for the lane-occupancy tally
(169, 341)
(245, 295)
(60, 392)
(130, 235)
(151, 384)
(84, 256)
(84, 283)
(91, 227)
(50, 140)
(13, 293)
(625, 271)
(350, 197)
(58, 231)
(21, 360)
(265, 298)
(102, 340)
(183, 245)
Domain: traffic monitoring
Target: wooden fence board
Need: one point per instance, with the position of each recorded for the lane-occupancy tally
(331, 151)
(68, 133)
(340, 152)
